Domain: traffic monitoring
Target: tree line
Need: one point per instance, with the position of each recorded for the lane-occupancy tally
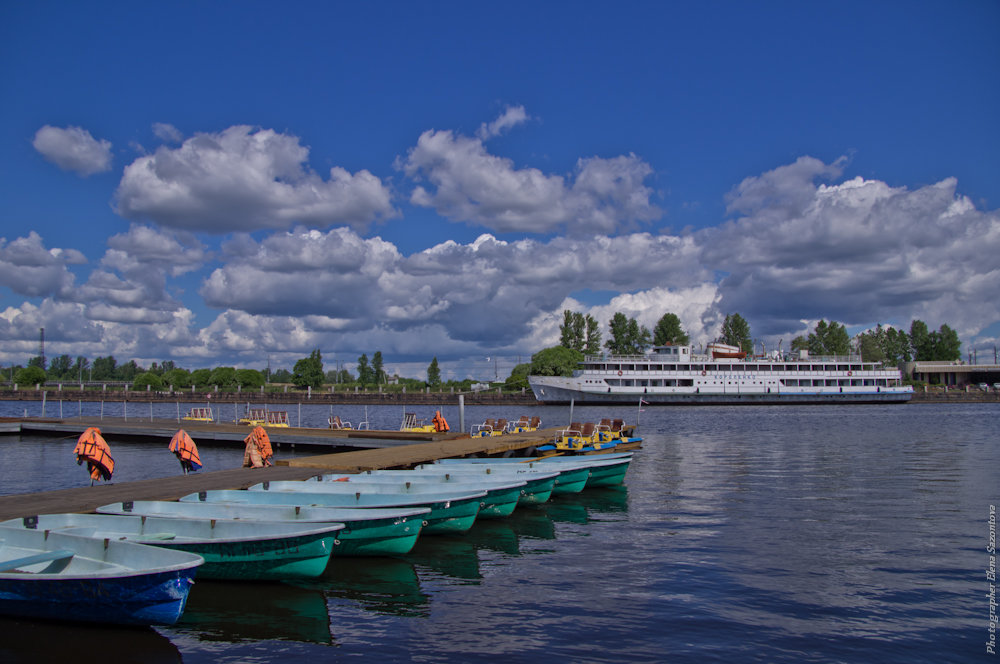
(307, 372)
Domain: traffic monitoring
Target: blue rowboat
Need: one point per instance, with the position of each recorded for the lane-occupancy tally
(231, 549)
(64, 576)
(502, 493)
(452, 510)
(368, 531)
(568, 479)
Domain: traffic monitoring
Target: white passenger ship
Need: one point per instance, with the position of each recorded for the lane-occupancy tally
(724, 375)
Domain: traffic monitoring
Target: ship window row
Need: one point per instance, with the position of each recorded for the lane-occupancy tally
(729, 368)
(789, 382)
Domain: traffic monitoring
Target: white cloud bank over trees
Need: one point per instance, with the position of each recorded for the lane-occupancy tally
(799, 245)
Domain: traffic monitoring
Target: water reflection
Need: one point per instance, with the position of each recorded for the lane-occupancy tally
(388, 586)
(233, 612)
(579, 507)
(31, 641)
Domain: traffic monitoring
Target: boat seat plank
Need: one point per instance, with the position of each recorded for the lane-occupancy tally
(44, 557)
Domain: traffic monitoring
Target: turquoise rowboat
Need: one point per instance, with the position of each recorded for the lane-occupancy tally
(368, 531)
(503, 494)
(568, 479)
(452, 510)
(63, 576)
(540, 484)
(605, 469)
(231, 549)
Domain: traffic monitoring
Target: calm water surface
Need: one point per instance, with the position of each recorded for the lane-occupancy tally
(747, 534)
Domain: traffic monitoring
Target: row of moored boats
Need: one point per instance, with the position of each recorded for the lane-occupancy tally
(134, 562)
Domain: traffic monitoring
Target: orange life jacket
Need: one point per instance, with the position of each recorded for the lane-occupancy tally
(186, 451)
(92, 448)
(258, 450)
(440, 424)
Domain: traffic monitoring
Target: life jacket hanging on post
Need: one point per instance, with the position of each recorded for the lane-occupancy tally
(258, 449)
(92, 448)
(440, 424)
(186, 451)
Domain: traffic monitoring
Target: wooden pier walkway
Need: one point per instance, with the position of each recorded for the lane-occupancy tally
(219, 432)
(403, 454)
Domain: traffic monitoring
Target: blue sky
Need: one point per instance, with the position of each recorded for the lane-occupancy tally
(227, 182)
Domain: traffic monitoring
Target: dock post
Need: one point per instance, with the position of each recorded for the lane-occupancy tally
(461, 413)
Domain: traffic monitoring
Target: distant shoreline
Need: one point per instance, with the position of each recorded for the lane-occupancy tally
(484, 398)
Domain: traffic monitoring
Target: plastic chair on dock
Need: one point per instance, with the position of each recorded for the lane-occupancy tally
(336, 423)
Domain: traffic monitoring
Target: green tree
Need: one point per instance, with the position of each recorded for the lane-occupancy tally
(59, 367)
(179, 378)
(128, 371)
(580, 332)
(433, 373)
(37, 361)
(377, 365)
(147, 378)
(105, 368)
(897, 347)
(364, 370)
(887, 345)
(308, 372)
(593, 334)
(668, 331)
(249, 378)
(627, 336)
(829, 339)
(81, 369)
(281, 376)
(555, 361)
(945, 344)
(566, 339)
(870, 345)
(518, 378)
(736, 332)
(200, 377)
(920, 341)
(223, 377)
(31, 375)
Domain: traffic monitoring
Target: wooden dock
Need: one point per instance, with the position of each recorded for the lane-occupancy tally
(403, 454)
(219, 432)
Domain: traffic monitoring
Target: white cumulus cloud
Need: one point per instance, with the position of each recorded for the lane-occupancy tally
(73, 149)
(246, 179)
(466, 183)
(28, 268)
